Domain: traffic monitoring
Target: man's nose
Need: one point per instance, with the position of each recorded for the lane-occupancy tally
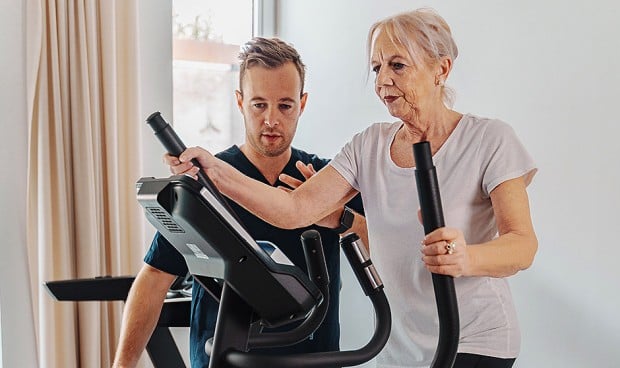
(271, 118)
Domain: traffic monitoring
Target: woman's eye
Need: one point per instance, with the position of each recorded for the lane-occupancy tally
(397, 66)
(375, 69)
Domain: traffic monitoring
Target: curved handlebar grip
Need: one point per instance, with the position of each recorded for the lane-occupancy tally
(362, 266)
(445, 293)
(317, 271)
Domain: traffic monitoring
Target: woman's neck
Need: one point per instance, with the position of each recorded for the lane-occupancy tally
(431, 127)
(435, 130)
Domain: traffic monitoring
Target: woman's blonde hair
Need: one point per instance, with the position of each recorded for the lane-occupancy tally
(425, 35)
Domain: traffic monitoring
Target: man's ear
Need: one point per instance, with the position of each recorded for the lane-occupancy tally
(239, 96)
(302, 102)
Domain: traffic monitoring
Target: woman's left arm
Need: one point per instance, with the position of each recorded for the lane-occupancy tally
(512, 251)
(515, 247)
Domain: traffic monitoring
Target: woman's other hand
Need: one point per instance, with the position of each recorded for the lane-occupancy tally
(183, 164)
(444, 251)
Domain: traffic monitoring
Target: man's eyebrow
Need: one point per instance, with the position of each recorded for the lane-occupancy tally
(283, 99)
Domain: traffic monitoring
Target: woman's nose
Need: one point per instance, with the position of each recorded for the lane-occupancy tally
(383, 77)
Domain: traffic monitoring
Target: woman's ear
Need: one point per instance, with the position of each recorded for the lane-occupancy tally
(443, 70)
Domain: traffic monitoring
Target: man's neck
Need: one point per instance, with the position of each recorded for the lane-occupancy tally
(270, 166)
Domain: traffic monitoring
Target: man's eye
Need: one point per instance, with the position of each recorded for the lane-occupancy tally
(285, 106)
(259, 105)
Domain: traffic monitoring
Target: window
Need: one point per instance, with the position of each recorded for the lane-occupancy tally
(207, 35)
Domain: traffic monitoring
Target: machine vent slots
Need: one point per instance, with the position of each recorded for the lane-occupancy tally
(165, 219)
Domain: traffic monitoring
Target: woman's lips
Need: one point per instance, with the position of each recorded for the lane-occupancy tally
(390, 99)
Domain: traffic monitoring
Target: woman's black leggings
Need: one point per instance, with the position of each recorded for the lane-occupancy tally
(464, 360)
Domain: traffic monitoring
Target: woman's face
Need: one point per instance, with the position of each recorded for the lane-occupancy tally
(408, 90)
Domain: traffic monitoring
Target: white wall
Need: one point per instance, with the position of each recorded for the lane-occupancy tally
(17, 343)
(550, 69)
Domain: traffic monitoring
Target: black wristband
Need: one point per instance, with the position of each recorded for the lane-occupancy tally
(346, 220)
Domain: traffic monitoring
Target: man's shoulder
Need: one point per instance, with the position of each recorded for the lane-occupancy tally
(308, 158)
(230, 154)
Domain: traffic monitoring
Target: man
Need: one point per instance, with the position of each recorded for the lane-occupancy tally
(271, 99)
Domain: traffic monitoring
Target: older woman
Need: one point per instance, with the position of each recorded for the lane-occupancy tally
(483, 172)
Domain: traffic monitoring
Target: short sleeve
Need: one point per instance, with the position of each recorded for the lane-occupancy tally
(163, 256)
(346, 160)
(503, 157)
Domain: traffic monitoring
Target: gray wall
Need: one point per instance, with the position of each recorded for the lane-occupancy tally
(550, 69)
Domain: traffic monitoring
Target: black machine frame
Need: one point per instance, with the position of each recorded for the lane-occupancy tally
(216, 246)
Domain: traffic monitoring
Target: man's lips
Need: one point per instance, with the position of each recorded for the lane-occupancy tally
(271, 136)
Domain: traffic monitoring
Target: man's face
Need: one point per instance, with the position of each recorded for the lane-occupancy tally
(271, 106)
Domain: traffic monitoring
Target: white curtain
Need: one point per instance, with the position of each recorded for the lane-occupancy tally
(84, 158)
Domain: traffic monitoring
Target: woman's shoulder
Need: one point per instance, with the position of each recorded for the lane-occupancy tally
(380, 129)
(473, 119)
(489, 127)
(486, 134)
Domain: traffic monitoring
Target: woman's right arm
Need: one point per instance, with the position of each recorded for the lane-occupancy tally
(316, 198)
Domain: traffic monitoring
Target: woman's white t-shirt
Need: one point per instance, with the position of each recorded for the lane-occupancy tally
(478, 155)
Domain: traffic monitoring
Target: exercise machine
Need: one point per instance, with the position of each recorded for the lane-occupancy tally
(258, 286)
(227, 262)
(161, 347)
(256, 283)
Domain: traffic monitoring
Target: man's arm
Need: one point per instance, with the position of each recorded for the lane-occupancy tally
(140, 315)
(332, 221)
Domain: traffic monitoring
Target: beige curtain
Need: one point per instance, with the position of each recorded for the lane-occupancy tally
(84, 160)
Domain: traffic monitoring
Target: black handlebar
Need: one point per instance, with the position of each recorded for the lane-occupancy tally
(445, 294)
(174, 145)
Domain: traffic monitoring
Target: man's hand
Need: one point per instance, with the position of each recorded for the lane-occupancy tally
(330, 221)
